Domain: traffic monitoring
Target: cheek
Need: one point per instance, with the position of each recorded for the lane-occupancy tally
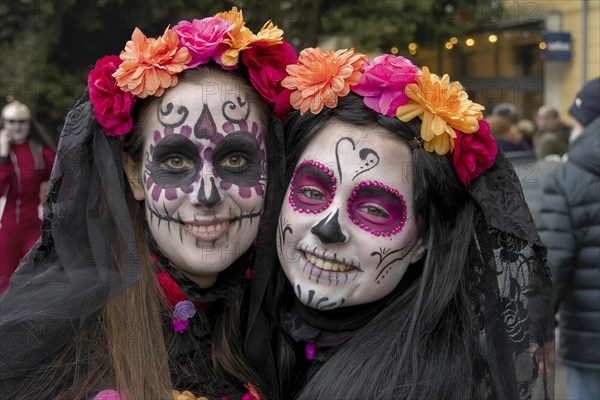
(245, 198)
(161, 195)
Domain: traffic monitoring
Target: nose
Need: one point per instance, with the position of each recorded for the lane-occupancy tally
(208, 194)
(329, 231)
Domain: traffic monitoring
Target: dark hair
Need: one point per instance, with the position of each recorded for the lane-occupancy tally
(421, 345)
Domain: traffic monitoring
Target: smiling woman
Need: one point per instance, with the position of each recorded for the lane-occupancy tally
(135, 290)
(406, 263)
(327, 259)
(202, 178)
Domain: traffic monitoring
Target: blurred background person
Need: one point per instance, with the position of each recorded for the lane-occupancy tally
(25, 166)
(507, 111)
(507, 136)
(570, 229)
(527, 129)
(553, 134)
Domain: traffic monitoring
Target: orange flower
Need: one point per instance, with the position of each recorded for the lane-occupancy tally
(151, 65)
(442, 107)
(241, 38)
(319, 79)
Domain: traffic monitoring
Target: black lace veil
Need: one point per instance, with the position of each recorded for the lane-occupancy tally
(71, 272)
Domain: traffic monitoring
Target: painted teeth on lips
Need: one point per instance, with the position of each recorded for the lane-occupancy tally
(207, 228)
(327, 264)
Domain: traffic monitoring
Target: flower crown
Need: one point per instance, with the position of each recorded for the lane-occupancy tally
(148, 66)
(451, 124)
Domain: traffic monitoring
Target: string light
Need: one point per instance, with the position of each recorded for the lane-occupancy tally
(394, 50)
(470, 42)
(453, 40)
(448, 45)
(412, 47)
(493, 38)
(542, 45)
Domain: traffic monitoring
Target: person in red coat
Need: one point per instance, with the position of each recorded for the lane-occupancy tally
(25, 166)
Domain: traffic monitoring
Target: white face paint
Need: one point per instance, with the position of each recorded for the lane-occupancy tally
(347, 230)
(203, 176)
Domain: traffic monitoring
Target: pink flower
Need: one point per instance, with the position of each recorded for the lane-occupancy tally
(383, 82)
(112, 106)
(108, 395)
(180, 325)
(473, 153)
(309, 349)
(203, 38)
(266, 67)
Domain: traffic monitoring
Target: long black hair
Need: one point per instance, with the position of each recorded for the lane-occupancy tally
(422, 344)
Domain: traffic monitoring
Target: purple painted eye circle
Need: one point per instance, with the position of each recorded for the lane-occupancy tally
(312, 187)
(377, 208)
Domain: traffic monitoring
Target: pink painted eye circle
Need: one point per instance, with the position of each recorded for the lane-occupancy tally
(377, 208)
(312, 187)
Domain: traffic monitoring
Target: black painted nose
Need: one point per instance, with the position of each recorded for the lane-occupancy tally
(214, 198)
(329, 230)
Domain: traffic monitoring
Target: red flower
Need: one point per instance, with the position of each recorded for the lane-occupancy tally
(266, 67)
(473, 153)
(112, 106)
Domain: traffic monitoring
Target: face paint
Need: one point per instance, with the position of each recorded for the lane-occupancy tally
(204, 176)
(312, 187)
(347, 231)
(377, 208)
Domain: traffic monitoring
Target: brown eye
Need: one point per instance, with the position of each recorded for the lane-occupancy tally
(176, 163)
(234, 163)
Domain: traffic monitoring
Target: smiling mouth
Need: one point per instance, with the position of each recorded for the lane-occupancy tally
(327, 264)
(209, 232)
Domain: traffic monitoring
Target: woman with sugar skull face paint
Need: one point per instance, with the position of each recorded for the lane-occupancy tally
(135, 290)
(405, 262)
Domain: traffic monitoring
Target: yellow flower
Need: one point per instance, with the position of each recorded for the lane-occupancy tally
(442, 107)
(269, 34)
(241, 38)
(187, 395)
(234, 16)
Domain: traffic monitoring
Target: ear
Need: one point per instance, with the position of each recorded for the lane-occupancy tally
(133, 176)
(419, 250)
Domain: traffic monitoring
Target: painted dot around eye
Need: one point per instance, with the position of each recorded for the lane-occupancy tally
(312, 187)
(387, 205)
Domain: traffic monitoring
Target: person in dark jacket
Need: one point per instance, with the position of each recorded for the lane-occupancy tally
(570, 229)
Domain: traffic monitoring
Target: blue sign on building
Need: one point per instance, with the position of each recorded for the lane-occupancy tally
(558, 46)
